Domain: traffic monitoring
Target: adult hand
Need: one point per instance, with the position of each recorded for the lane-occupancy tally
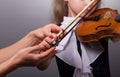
(47, 30)
(30, 56)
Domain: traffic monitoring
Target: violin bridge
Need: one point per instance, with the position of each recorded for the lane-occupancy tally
(107, 15)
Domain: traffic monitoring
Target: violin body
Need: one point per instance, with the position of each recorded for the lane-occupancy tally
(104, 26)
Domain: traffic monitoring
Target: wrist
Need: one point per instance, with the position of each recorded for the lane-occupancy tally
(33, 39)
(13, 64)
(27, 41)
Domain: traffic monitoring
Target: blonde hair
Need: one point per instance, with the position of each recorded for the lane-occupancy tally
(60, 9)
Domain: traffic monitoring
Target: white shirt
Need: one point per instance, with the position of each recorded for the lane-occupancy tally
(67, 51)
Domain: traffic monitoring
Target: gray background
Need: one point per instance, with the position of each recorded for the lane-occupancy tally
(18, 17)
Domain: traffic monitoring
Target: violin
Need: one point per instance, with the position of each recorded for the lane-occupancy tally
(102, 23)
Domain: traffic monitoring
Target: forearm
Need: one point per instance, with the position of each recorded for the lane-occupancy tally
(9, 51)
